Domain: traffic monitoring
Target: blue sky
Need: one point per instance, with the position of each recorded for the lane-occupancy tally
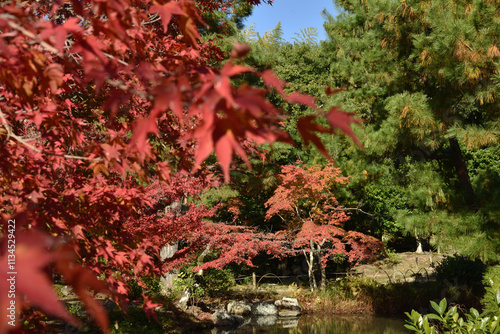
(293, 14)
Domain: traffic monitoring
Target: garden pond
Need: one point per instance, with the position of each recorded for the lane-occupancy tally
(321, 324)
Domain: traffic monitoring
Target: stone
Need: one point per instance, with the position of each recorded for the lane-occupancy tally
(222, 318)
(264, 309)
(183, 302)
(239, 308)
(167, 280)
(66, 291)
(288, 303)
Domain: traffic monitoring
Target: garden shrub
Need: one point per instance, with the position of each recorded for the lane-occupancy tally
(491, 299)
(460, 269)
(449, 320)
(211, 283)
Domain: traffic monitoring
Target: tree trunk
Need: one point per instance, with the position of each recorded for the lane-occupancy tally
(201, 258)
(462, 173)
(322, 269)
(419, 246)
(167, 280)
(310, 272)
(310, 264)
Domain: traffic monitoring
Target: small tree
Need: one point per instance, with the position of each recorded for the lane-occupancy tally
(306, 203)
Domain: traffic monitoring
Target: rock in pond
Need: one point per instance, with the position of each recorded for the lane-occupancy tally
(239, 307)
(264, 309)
(288, 303)
(222, 318)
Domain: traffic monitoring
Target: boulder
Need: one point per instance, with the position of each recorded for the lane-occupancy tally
(288, 303)
(222, 318)
(264, 309)
(239, 307)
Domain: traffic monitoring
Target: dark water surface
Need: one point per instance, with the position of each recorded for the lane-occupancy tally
(323, 324)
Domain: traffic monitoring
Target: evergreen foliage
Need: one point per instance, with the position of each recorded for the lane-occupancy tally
(424, 76)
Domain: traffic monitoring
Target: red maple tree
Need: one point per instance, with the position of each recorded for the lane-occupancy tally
(108, 110)
(305, 200)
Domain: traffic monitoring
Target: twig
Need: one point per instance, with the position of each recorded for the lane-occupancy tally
(359, 210)
(24, 142)
(29, 34)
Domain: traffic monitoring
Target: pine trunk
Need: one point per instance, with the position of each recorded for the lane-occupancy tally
(462, 173)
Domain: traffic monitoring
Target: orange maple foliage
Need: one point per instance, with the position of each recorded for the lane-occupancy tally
(305, 200)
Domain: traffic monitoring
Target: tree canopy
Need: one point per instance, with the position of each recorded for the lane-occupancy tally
(424, 77)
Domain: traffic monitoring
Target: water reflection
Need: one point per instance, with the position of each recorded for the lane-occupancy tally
(318, 324)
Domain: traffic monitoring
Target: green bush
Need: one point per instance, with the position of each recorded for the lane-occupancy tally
(147, 284)
(211, 283)
(459, 269)
(491, 299)
(448, 320)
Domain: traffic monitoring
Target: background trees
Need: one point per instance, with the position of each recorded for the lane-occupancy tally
(424, 78)
(420, 73)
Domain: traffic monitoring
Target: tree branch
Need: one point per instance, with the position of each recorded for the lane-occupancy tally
(359, 210)
(24, 142)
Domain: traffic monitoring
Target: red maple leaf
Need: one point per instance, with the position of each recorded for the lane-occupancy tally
(343, 120)
(166, 11)
(29, 278)
(307, 129)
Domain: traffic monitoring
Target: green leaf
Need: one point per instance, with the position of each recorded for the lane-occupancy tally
(434, 316)
(451, 312)
(435, 306)
(442, 306)
(411, 327)
(425, 325)
(474, 313)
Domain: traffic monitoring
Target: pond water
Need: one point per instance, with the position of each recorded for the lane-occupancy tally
(321, 324)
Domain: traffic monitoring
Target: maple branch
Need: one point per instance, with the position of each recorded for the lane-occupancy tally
(46, 46)
(359, 210)
(298, 213)
(24, 142)
(282, 218)
(117, 59)
(321, 244)
(120, 85)
(29, 34)
(305, 255)
(152, 19)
